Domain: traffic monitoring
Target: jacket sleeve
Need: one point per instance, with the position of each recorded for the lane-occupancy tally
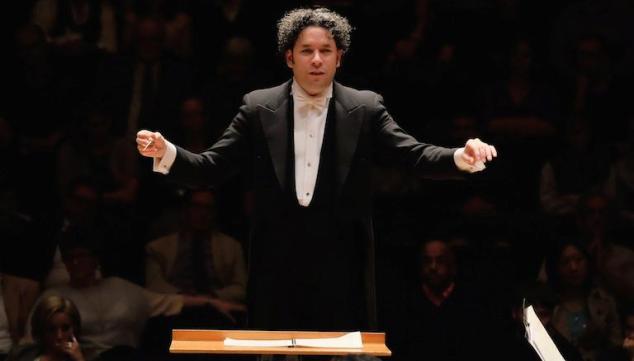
(428, 160)
(221, 160)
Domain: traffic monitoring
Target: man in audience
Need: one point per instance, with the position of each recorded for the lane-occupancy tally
(198, 259)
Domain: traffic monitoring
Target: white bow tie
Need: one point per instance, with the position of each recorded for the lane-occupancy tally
(318, 103)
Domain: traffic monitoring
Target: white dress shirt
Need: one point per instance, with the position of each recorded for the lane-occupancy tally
(310, 115)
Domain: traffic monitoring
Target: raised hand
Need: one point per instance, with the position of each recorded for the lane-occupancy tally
(476, 150)
(72, 349)
(150, 144)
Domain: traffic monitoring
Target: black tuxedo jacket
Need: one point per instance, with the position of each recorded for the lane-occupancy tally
(326, 281)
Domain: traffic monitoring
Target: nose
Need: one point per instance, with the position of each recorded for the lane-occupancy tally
(316, 60)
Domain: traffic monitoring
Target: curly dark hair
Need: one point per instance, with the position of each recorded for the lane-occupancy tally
(294, 21)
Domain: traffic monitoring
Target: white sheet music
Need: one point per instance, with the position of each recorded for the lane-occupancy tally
(538, 337)
(349, 340)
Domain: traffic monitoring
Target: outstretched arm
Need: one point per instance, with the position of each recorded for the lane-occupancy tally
(430, 160)
(210, 167)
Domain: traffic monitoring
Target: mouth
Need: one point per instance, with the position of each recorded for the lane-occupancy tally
(316, 73)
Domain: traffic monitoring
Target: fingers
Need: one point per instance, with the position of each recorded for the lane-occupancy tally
(477, 150)
(150, 144)
(144, 137)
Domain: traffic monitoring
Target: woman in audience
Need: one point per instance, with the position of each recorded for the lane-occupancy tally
(55, 326)
(586, 313)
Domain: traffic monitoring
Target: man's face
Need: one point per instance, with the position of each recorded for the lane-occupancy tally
(201, 211)
(438, 265)
(314, 59)
(81, 265)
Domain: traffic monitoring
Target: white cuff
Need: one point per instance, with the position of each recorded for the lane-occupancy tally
(463, 165)
(163, 165)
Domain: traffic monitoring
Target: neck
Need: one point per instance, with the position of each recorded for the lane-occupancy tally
(313, 93)
(437, 295)
(573, 293)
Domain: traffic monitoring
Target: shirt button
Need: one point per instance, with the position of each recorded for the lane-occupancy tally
(310, 135)
(307, 194)
(308, 164)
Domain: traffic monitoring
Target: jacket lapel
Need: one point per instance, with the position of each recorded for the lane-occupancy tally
(275, 119)
(348, 126)
(275, 127)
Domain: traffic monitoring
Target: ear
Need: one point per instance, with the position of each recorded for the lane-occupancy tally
(289, 58)
(339, 56)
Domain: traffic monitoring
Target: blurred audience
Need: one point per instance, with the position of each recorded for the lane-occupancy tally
(113, 311)
(552, 86)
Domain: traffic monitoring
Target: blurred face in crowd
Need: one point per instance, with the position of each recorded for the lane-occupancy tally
(591, 56)
(150, 37)
(201, 211)
(573, 267)
(59, 330)
(314, 59)
(192, 115)
(594, 214)
(97, 128)
(438, 265)
(81, 265)
(237, 59)
(521, 58)
(81, 203)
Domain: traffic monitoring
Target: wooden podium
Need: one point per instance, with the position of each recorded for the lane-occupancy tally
(212, 342)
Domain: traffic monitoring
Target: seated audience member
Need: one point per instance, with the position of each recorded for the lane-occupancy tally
(564, 179)
(80, 208)
(440, 318)
(586, 314)
(606, 244)
(55, 329)
(198, 259)
(113, 311)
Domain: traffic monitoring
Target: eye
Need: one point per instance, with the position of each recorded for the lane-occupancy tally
(306, 51)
